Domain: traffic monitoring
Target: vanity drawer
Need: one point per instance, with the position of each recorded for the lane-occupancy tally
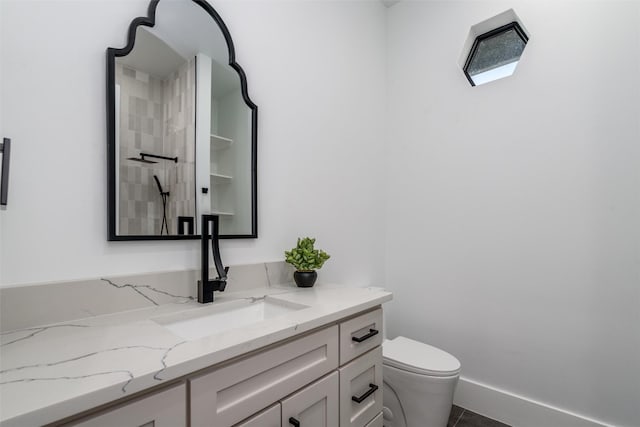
(270, 417)
(167, 408)
(361, 389)
(376, 422)
(226, 395)
(360, 334)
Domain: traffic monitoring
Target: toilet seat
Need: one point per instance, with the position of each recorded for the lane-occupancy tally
(419, 358)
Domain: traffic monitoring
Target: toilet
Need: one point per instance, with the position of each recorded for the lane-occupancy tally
(419, 381)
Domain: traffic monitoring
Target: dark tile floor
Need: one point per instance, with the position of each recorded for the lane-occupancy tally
(461, 417)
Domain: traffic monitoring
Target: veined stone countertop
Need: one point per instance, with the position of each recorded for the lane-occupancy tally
(51, 372)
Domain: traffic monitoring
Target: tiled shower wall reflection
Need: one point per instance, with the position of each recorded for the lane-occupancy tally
(157, 116)
(179, 138)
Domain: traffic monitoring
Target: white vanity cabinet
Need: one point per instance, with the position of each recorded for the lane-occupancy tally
(316, 405)
(328, 378)
(228, 394)
(361, 369)
(360, 389)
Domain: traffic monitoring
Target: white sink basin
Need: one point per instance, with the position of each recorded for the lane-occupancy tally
(200, 323)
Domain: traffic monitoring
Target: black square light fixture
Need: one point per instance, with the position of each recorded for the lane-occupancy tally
(495, 54)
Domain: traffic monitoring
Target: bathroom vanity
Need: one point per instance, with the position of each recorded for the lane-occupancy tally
(308, 381)
(268, 356)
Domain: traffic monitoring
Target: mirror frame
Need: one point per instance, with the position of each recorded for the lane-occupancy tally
(112, 54)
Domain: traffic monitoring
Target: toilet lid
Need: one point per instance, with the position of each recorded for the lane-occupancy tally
(419, 358)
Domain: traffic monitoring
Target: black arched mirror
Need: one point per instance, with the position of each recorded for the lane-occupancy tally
(181, 128)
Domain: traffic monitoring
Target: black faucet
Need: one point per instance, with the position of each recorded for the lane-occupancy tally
(206, 287)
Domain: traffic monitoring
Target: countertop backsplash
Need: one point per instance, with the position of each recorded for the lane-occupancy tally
(31, 306)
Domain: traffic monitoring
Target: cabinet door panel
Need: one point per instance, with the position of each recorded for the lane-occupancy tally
(227, 395)
(164, 409)
(314, 406)
(358, 380)
(268, 418)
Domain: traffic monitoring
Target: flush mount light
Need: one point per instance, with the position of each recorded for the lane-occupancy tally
(495, 54)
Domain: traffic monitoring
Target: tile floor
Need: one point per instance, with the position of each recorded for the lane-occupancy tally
(461, 417)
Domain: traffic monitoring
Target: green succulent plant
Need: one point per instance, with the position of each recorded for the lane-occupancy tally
(304, 257)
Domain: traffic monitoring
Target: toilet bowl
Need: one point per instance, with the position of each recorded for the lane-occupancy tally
(419, 381)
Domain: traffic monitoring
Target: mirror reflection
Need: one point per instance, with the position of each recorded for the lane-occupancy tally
(184, 129)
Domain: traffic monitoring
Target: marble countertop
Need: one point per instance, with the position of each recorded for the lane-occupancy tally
(51, 372)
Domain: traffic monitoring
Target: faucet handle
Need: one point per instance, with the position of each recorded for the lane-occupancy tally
(224, 277)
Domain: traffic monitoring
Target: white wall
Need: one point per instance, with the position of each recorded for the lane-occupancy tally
(314, 68)
(513, 208)
(2, 36)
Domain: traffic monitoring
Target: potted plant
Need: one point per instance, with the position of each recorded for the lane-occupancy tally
(306, 259)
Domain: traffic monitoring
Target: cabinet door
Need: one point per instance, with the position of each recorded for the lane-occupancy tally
(361, 389)
(314, 406)
(227, 395)
(164, 409)
(270, 417)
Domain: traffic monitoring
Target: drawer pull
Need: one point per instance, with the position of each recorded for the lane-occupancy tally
(372, 332)
(5, 149)
(359, 399)
(294, 422)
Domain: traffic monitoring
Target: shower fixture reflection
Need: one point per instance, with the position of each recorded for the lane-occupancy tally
(143, 158)
(165, 196)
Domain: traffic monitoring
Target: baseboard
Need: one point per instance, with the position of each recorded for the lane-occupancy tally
(514, 410)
